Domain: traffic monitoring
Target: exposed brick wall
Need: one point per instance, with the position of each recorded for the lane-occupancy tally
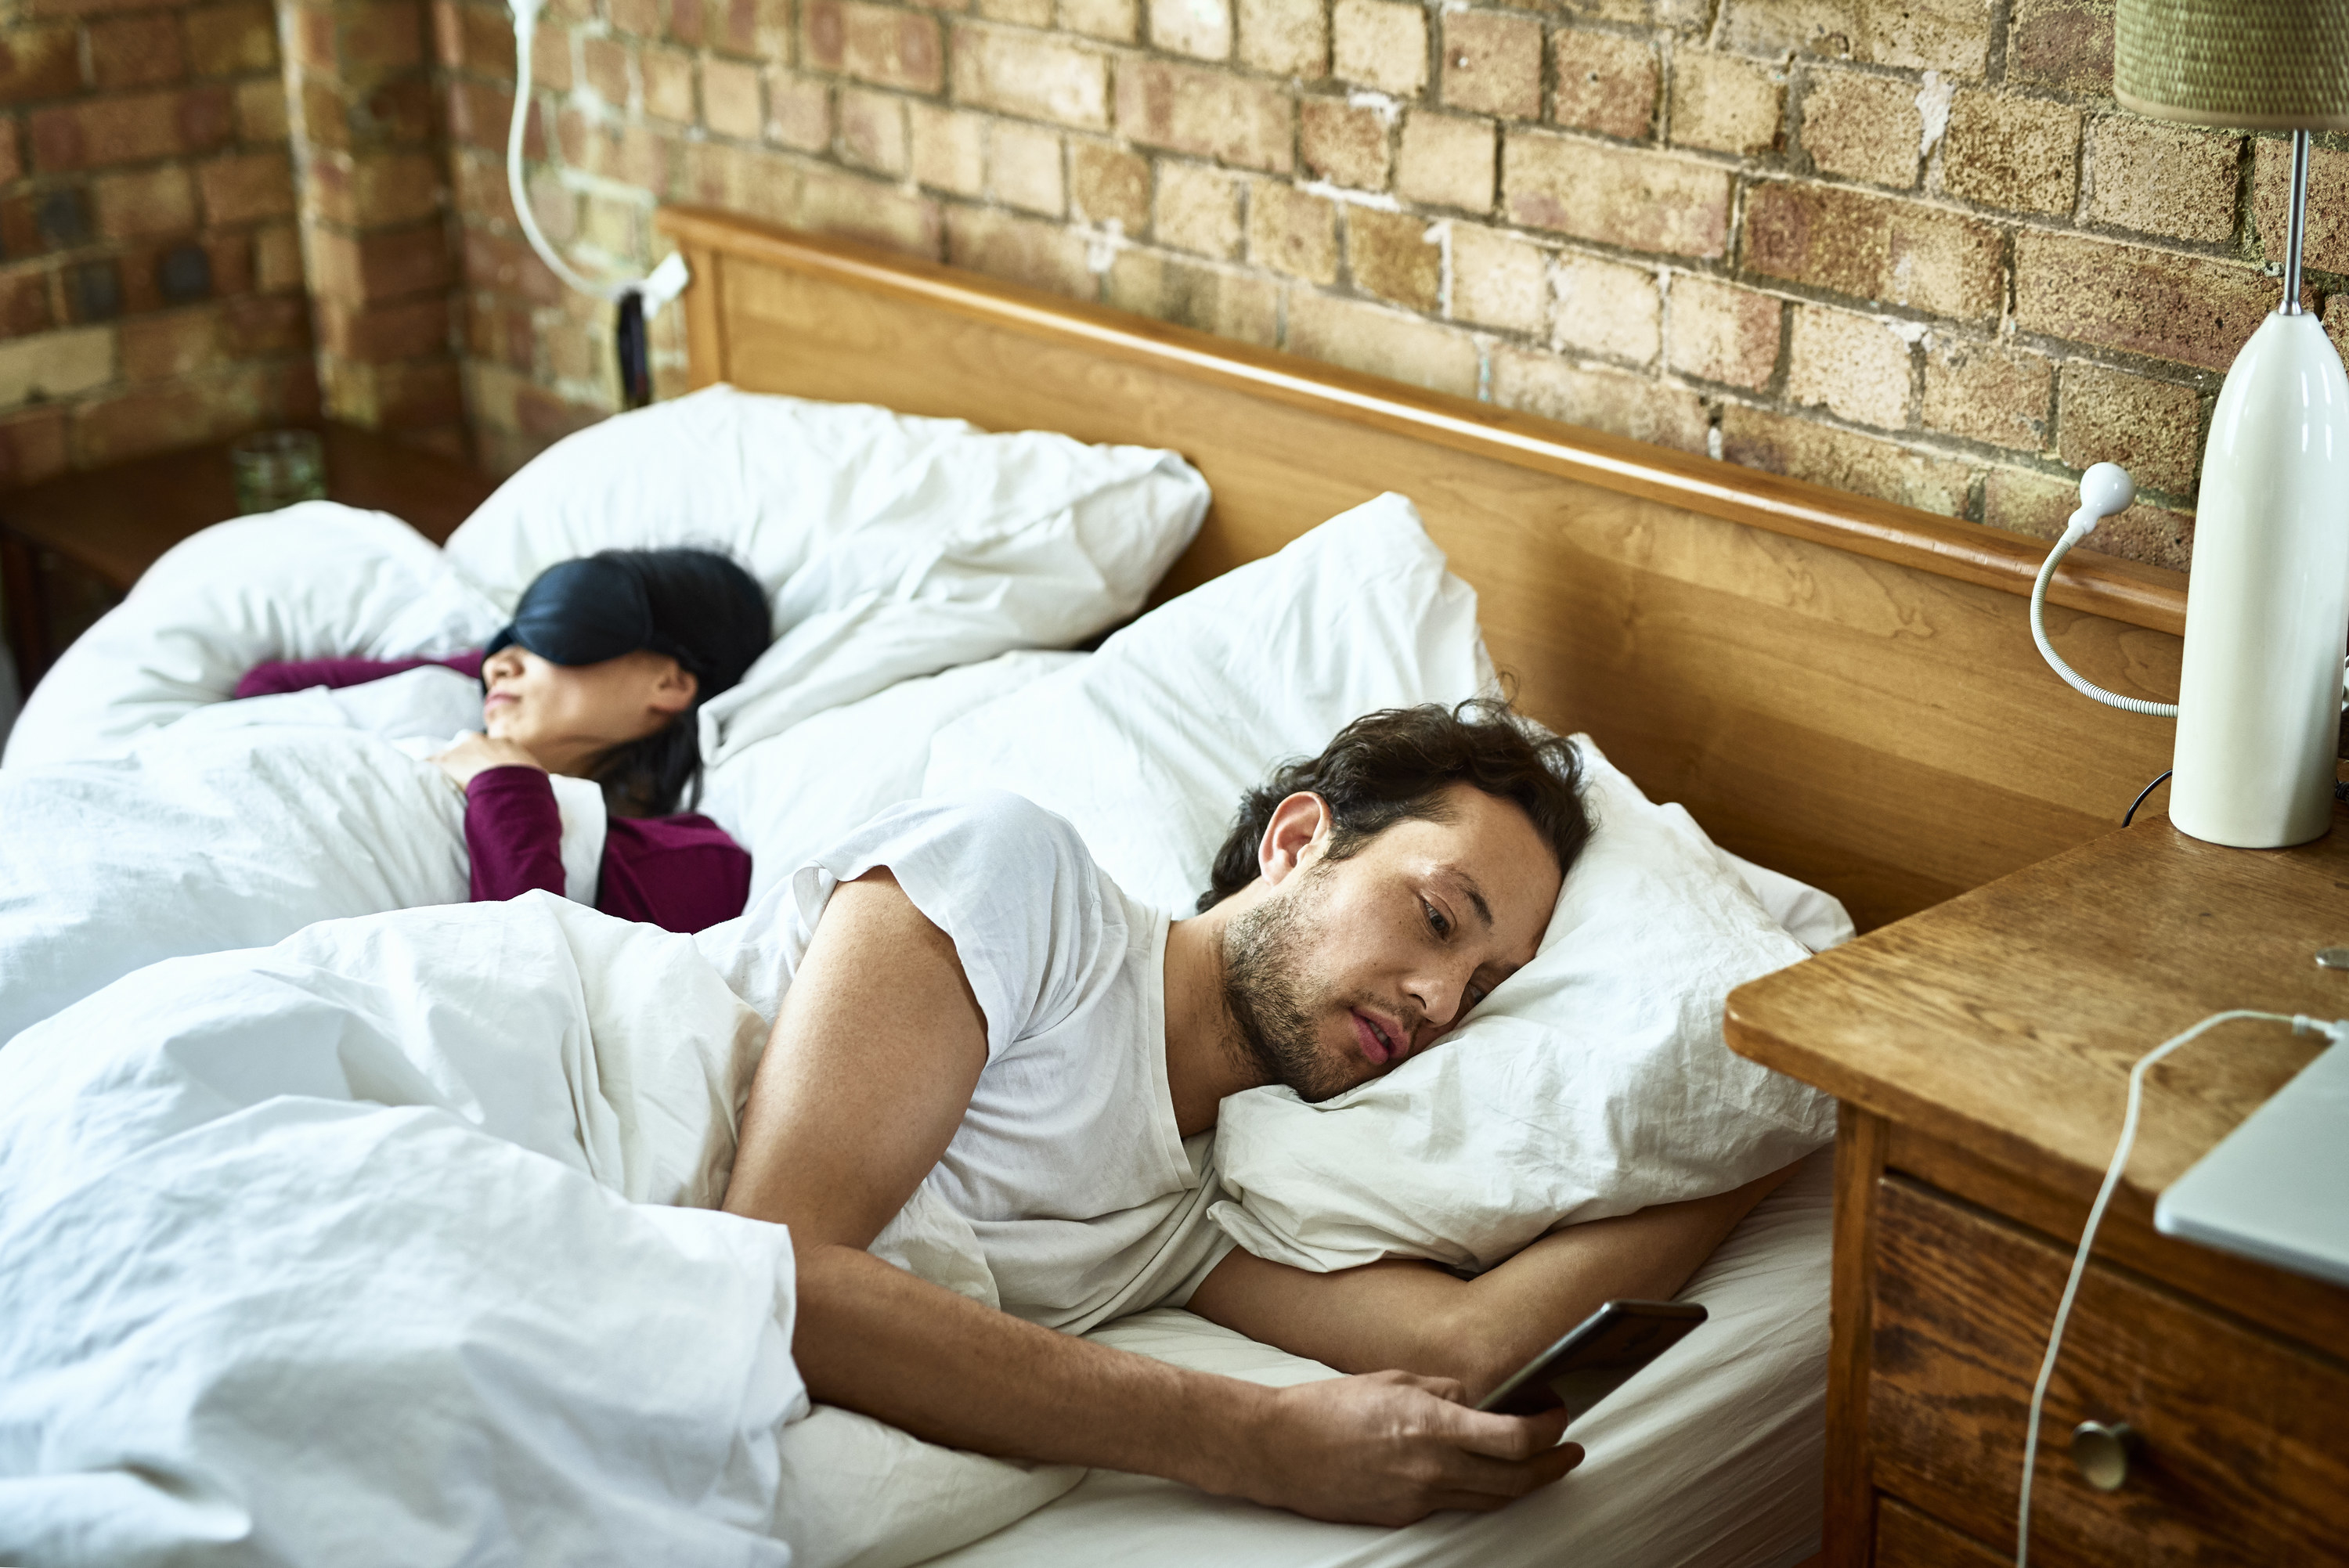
(150, 277)
(1915, 252)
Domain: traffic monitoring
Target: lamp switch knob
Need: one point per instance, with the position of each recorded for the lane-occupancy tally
(2102, 1453)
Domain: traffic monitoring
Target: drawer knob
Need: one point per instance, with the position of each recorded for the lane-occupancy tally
(2102, 1453)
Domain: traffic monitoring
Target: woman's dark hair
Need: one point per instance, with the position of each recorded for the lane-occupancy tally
(712, 615)
(1396, 764)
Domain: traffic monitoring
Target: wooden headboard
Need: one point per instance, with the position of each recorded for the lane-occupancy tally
(1839, 688)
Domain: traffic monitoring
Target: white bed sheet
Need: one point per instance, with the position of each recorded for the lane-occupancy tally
(1714, 1456)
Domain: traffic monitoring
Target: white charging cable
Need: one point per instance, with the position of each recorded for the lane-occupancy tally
(2105, 489)
(2337, 1030)
(667, 281)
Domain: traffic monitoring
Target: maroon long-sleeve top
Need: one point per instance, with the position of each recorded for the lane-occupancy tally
(682, 873)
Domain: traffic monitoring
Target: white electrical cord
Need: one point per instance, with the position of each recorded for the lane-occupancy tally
(2105, 489)
(668, 280)
(2337, 1030)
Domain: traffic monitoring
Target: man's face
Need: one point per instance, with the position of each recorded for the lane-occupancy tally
(1350, 966)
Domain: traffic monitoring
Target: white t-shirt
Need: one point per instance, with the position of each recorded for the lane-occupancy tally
(1067, 1195)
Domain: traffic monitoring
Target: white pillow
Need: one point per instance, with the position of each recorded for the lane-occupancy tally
(313, 582)
(890, 546)
(794, 795)
(1147, 746)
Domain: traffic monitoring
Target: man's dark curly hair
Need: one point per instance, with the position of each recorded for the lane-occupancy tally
(1396, 764)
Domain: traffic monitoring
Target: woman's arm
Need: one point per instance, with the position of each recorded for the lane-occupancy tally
(276, 676)
(513, 832)
(1417, 1318)
(682, 873)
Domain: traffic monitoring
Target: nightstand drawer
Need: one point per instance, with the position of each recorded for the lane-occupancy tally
(1908, 1538)
(2243, 1451)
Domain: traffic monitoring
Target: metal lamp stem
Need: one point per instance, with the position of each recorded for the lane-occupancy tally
(2299, 225)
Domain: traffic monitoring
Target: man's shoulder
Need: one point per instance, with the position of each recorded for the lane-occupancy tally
(989, 823)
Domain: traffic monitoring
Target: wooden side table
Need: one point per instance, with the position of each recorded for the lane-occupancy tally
(1981, 1050)
(71, 548)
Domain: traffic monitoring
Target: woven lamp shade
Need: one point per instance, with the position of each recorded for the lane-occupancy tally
(2250, 65)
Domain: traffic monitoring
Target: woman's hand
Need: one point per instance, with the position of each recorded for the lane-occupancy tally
(474, 752)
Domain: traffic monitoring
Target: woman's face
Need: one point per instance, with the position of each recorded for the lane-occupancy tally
(570, 716)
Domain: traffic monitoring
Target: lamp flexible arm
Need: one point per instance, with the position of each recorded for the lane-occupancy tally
(2105, 489)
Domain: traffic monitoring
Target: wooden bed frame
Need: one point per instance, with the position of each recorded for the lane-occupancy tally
(1838, 688)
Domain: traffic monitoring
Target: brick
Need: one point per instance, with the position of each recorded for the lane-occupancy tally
(1013, 72)
(246, 187)
(2336, 323)
(55, 365)
(2325, 245)
(24, 305)
(1614, 401)
(1024, 170)
(873, 131)
(1395, 257)
(277, 259)
(388, 35)
(1119, 21)
(1640, 200)
(555, 204)
(730, 103)
(155, 201)
(687, 22)
(131, 129)
(668, 76)
(1041, 255)
(1863, 127)
(1498, 280)
(2188, 309)
(1382, 341)
(1492, 63)
(862, 208)
(1235, 119)
(261, 112)
(894, 48)
(1198, 209)
(138, 51)
(2153, 428)
(1287, 37)
(12, 156)
(1875, 248)
(410, 329)
(741, 179)
(1606, 83)
(1109, 186)
(550, 59)
(1855, 366)
(1447, 161)
(367, 191)
(1344, 143)
(1221, 300)
(636, 19)
(190, 412)
(1025, 13)
(32, 448)
(38, 63)
(1725, 104)
(2160, 179)
(2065, 45)
(1840, 460)
(603, 65)
(1987, 392)
(1381, 44)
(167, 345)
(1200, 28)
(1952, 37)
(1719, 332)
(1293, 231)
(379, 266)
(94, 290)
(2007, 150)
(799, 111)
(949, 148)
(1607, 309)
(2021, 502)
(231, 38)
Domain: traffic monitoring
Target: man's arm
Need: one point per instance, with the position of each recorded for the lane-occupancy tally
(1424, 1319)
(869, 1072)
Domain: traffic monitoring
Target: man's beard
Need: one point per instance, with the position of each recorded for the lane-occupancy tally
(1262, 949)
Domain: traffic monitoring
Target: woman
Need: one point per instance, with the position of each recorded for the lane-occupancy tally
(600, 675)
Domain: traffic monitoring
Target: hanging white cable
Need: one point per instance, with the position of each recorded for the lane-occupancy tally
(2105, 489)
(2338, 1031)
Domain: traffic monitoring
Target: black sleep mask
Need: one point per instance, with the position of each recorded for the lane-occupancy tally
(586, 611)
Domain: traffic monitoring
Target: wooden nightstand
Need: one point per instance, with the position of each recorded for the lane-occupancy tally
(1981, 1050)
(71, 548)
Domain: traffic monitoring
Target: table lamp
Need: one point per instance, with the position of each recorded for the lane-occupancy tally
(2267, 603)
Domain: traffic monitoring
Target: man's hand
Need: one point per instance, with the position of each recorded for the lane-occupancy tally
(1391, 1447)
(477, 753)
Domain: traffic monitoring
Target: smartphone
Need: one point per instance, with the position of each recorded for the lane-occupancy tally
(1599, 1356)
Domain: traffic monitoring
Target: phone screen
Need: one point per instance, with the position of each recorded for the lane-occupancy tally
(1599, 1356)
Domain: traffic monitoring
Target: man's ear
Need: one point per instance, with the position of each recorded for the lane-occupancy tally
(1297, 833)
(674, 688)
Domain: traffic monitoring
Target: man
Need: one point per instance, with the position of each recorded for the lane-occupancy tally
(980, 1017)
